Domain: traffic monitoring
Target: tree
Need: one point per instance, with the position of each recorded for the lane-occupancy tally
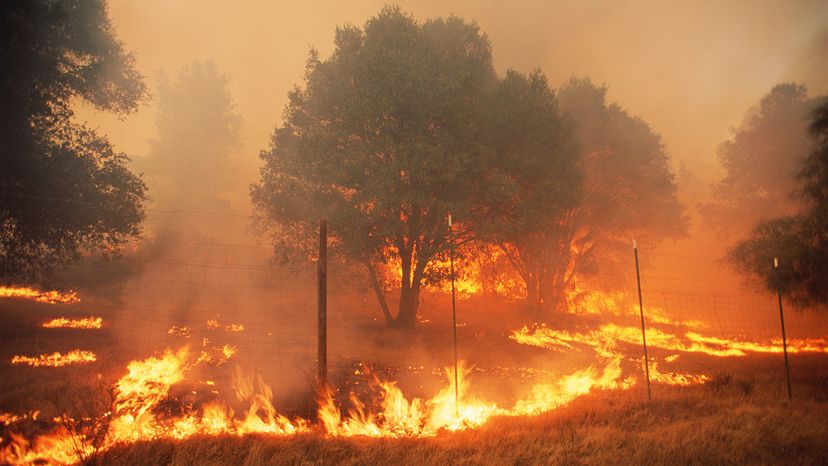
(800, 241)
(386, 137)
(63, 188)
(537, 175)
(629, 190)
(189, 165)
(760, 161)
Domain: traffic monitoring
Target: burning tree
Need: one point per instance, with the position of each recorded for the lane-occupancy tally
(629, 189)
(537, 178)
(385, 138)
(63, 188)
(559, 230)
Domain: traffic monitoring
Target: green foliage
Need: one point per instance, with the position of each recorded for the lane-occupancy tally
(63, 189)
(385, 138)
(800, 242)
(629, 192)
(535, 177)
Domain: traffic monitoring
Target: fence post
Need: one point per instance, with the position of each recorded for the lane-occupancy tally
(322, 306)
(643, 333)
(453, 318)
(782, 320)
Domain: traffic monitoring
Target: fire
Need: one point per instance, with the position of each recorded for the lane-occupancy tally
(545, 397)
(213, 324)
(138, 415)
(184, 332)
(593, 302)
(673, 378)
(83, 323)
(48, 297)
(400, 417)
(138, 412)
(467, 277)
(605, 340)
(56, 359)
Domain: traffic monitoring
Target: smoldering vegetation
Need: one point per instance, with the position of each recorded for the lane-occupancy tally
(389, 128)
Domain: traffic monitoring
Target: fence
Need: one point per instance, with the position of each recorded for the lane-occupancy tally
(207, 294)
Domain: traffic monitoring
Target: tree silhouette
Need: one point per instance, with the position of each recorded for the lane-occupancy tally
(63, 188)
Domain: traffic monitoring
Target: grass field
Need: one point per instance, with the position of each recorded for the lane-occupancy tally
(733, 419)
(740, 416)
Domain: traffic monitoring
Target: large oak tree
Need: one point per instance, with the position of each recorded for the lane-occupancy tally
(385, 138)
(63, 188)
(404, 123)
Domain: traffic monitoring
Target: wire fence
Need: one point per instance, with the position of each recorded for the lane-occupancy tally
(209, 293)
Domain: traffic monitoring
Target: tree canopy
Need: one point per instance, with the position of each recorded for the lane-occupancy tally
(384, 140)
(537, 178)
(799, 241)
(63, 188)
(198, 131)
(760, 160)
(629, 189)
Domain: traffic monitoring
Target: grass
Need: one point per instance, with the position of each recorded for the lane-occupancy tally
(741, 416)
(733, 420)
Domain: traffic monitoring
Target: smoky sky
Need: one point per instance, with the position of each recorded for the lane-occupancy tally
(690, 69)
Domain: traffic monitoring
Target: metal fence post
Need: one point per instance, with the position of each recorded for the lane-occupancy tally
(643, 333)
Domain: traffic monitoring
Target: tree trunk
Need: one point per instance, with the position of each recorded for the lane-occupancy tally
(409, 302)
(378, 291)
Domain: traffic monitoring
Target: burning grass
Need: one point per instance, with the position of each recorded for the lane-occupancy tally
(47, 297)
(80, 323)
(140, 395)
(56, 359)
(605, 339)
(718, 423)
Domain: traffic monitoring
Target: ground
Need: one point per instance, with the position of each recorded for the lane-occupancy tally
(731, 420)
(740, 416)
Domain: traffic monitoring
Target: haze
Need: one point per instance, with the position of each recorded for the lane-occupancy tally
(690, 69)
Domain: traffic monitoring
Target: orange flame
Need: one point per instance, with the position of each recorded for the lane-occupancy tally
(605, 340)
(83, 323)
(213, 324)
(145, 387)
(48, 297)
(56, 359)
(184, 332)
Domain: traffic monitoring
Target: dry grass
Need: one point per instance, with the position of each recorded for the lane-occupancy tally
(730, 421)
(740, 417)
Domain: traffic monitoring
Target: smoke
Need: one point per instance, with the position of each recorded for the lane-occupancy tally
(690, 71)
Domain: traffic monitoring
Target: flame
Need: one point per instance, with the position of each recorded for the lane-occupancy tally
(48, 297)
(141, 394)
(545, 397)
(400, 417)
(84, 323)
(594, 302)
(213, 324)
(138, 414)
(466, 281)
(56, 359)
(605, 340)
(184, 332)
(674, 378)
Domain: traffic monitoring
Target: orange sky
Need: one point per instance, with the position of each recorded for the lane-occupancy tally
(691, 69)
